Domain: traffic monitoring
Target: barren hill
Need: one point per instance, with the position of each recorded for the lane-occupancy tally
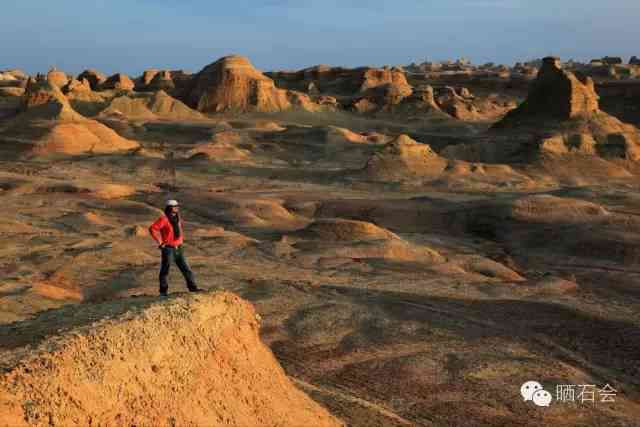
(193, 360)
(150, 106)
(49, 125)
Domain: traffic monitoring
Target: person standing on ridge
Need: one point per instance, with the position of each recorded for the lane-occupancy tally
(167, 232)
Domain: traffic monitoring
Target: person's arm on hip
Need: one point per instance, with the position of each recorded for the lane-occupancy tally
(154, 230)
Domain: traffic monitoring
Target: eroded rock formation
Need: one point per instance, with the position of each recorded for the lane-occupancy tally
(558, 94)
(94, 77)
(561, 116)
(233, 84)
(404, 158)
(57, 78)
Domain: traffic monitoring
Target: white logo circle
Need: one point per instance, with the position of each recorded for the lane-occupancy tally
(542, 398)
(529, 388)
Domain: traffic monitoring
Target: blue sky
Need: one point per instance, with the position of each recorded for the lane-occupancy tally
(131, 35)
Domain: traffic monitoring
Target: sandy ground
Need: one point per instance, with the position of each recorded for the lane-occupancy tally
(424, 301)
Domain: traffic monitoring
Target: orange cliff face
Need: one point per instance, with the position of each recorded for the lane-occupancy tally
(186, 361)
(233, 84)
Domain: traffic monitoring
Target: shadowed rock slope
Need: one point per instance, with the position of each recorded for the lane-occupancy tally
(404, 157)
(193, 360)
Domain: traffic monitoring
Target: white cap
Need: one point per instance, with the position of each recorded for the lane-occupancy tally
(171, 203)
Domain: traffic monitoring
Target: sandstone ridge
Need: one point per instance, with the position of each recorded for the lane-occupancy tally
(193, 360)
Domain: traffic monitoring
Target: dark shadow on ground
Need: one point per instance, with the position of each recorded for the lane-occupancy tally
(609, 350)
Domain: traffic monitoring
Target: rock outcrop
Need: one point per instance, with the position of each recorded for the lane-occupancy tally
(44, 93)
(382, 98)
(612, 60)
(153, 80)
(8, 79)
(376, 77)
(224, 146)
(404, 158)
(77, 86)
(11, 91)
(48, 125)
(557, 94)
(17, 73)
(162, 81)
(94, 77)
(422, 101)
(195, 360)
(118, 81)
(599, 135)
(182, 80)
(426, 95)
(387, 90)
(457, 105)
(339, 229)
(147, 76)
(380, 89)
(461, 104)
(356, 81)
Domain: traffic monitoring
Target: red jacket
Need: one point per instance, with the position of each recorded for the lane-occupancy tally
(162, 232)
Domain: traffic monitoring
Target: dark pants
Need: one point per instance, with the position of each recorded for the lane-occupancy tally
(170, 254)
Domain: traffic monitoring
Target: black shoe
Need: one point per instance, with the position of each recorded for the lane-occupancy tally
(163, 294)
(196, 290)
